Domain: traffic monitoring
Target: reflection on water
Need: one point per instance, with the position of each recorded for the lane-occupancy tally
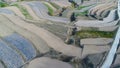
(6, 11)
(23, 45)
(9, 56)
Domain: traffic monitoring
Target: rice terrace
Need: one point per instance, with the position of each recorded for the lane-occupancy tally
(59, 33)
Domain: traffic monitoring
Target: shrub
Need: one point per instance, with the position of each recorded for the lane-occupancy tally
(3, 4)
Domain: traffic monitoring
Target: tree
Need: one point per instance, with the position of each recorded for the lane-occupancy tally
(72, 17)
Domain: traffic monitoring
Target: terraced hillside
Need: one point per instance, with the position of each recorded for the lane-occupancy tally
(53, 34)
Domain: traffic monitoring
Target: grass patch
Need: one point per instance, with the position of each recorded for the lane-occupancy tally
(80, 7)
(81, 13)
(50, 10)
(95, 34)
(24, 11)
(3, 4)
(54, 5)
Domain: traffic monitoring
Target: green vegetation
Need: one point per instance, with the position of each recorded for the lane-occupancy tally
(22, 0)
(72, 5)
(50, 10)
(24, 11)
(3, 4)
(89, 28)
(54, 5)
(81, 13)
(80, 7)
(95, 34)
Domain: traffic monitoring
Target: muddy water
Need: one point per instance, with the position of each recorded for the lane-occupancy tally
(23, 45)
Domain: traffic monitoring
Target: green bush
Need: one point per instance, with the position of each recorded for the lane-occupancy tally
(24, 11)
(3, 4)
(50, 10)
